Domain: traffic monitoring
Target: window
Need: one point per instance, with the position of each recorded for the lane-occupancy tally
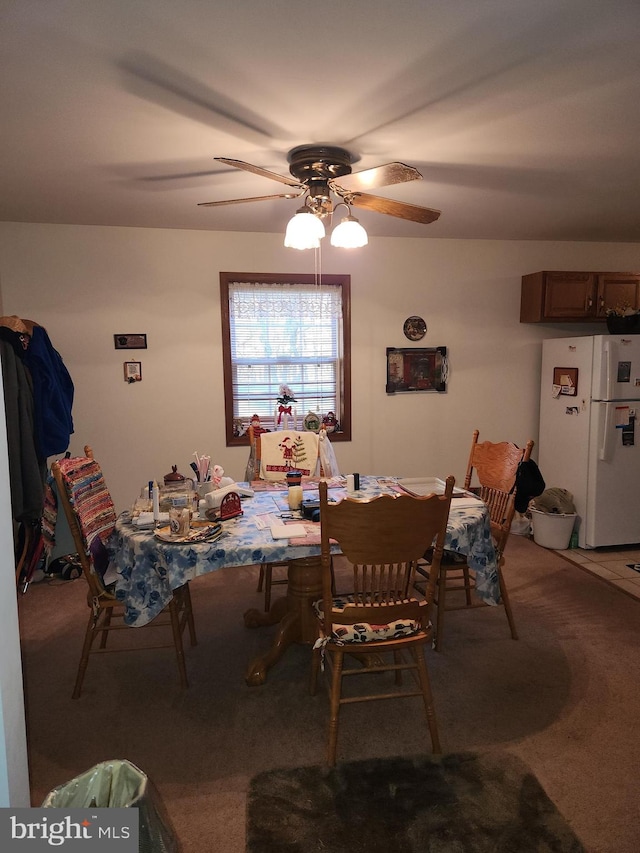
(285, 330)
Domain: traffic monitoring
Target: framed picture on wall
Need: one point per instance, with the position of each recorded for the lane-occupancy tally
(128, 341)
(410, 370)
(133, 371)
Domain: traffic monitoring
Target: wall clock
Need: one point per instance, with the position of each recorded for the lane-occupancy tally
(414, 328)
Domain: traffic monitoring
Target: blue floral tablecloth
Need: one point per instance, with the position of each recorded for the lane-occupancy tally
(149, 569)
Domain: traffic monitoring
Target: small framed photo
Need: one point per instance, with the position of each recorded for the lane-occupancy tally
(133, 371)
(130, 341)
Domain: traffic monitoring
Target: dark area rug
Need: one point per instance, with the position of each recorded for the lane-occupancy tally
(460, 803)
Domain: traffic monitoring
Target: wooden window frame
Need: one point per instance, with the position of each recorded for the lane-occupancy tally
(344, 281)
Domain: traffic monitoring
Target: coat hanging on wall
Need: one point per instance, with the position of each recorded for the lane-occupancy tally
(52, 394)
(38, 397)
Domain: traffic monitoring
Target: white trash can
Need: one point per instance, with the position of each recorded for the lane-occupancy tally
(553, 529)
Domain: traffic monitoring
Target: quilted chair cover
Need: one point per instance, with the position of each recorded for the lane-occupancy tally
(288, 450)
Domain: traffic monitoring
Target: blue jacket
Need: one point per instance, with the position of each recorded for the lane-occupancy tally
(52, 395)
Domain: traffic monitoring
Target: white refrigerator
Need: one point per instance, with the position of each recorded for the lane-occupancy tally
(589, 403)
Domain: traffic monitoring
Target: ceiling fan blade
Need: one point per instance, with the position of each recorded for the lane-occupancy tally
(379, 176)
(257, 170)
(242, 200)
(412, 212)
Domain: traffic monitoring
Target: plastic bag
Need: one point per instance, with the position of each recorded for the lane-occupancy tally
(327, 456)
(521, 524)
(120, 784)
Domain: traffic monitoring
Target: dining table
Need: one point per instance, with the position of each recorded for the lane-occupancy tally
(149, 567)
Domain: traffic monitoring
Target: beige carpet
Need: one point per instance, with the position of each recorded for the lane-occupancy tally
(564, 699)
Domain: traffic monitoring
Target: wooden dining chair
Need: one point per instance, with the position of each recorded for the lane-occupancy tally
(91, 515)
(382, 538)
(491, 474)
(255, 467)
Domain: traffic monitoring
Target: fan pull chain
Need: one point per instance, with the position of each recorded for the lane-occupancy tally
(318, 278)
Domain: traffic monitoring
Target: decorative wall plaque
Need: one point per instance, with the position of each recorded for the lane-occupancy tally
(414, 328)
(423, 369)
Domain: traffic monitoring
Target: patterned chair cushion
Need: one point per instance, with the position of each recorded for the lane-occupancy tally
(365, 632)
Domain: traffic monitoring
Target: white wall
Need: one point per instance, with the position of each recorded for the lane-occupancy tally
(86, 283)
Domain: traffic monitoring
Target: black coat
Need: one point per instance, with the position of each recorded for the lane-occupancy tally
(529, 484)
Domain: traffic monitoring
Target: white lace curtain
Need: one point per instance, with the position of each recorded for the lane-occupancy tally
(259, 301)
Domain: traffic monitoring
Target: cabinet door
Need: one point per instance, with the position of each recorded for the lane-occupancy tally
(617, 289)
(569, 295)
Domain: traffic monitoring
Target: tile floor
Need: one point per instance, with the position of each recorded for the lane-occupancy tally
(611, 564)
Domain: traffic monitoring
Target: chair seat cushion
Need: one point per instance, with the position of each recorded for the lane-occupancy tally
(365, 632)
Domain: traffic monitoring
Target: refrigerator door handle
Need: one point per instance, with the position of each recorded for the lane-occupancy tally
(607, 432)
(610, 361)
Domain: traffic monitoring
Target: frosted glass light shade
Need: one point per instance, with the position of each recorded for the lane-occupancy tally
(304, 231)
(349, 234)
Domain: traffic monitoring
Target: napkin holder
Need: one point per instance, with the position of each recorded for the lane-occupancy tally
(230, 506)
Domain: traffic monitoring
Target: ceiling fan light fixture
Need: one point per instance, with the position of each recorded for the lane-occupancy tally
(349, 234)
(318, 171)
(304, 230)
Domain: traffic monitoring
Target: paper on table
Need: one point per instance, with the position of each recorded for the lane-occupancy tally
(266, 519)
(286, 531)
(465, 503)
(312, 537)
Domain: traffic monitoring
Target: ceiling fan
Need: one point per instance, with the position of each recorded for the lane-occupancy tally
(320, 170)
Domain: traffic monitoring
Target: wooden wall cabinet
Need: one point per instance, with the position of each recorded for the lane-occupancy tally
(565, 297)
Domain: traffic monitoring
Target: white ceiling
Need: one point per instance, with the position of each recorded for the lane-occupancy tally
(523, 116)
